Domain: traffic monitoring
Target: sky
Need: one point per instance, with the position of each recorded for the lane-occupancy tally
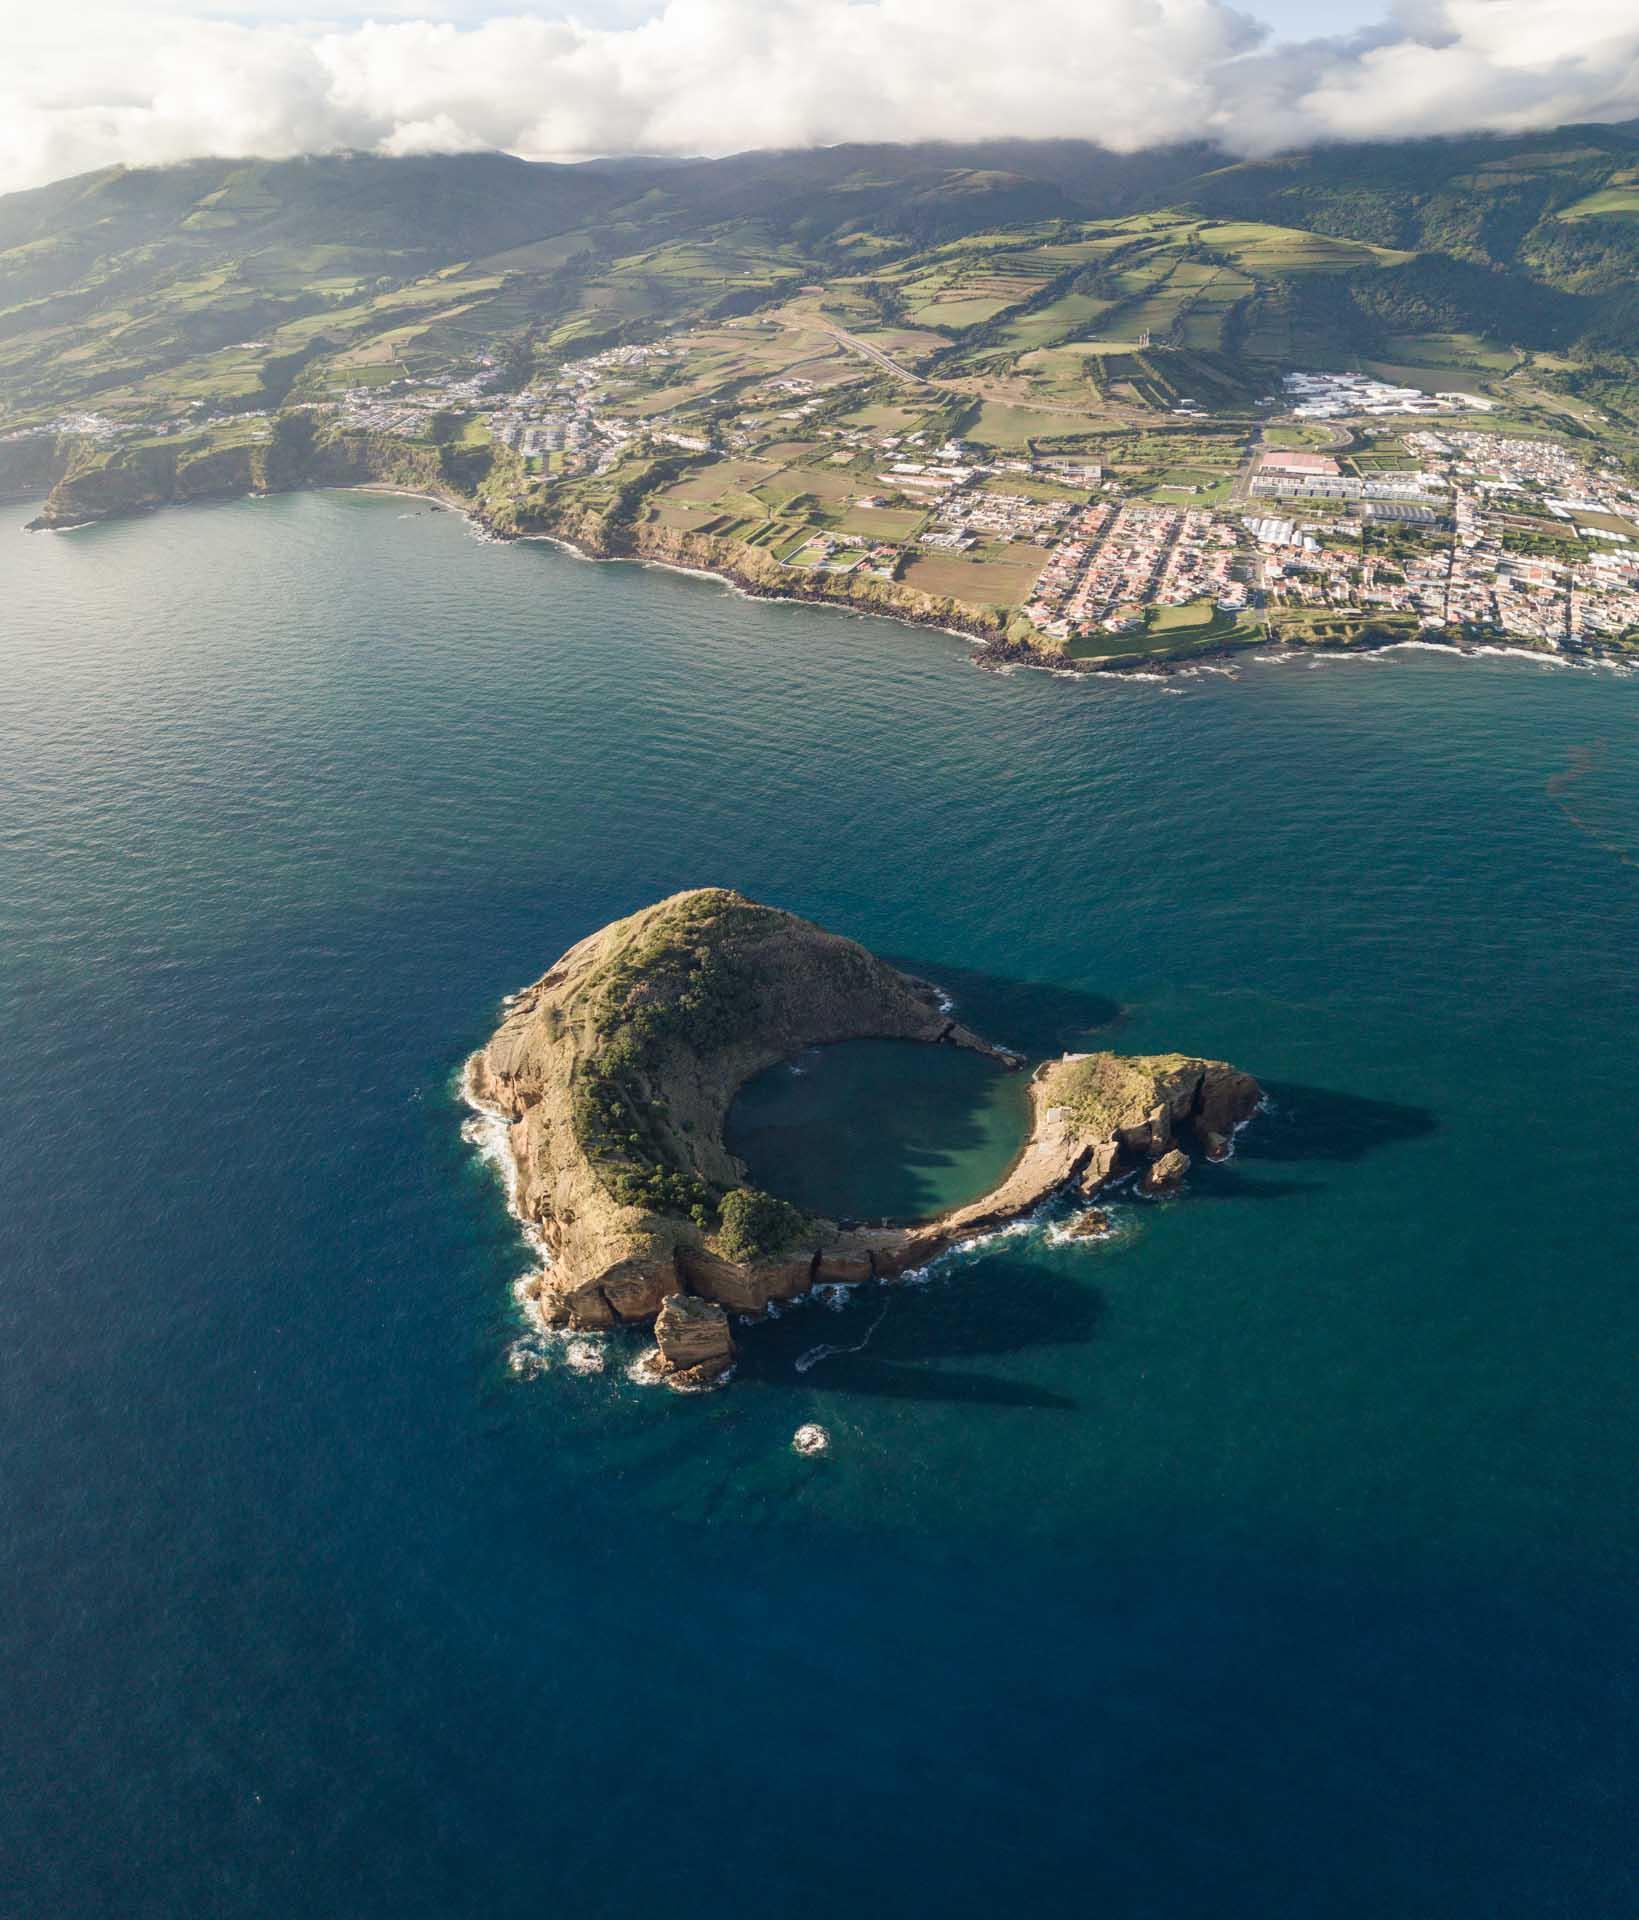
(86, 83)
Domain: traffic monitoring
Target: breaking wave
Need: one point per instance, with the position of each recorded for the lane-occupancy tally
(486, 1131)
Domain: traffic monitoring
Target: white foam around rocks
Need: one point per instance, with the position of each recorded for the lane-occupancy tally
(526, 1360)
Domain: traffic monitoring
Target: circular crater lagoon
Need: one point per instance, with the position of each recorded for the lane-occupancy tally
(880, 1129)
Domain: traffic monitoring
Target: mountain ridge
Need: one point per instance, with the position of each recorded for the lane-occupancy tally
(173, 261)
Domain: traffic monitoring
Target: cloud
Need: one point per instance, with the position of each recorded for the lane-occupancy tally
(140, 83)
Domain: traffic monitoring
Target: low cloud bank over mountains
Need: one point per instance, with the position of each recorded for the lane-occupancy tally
(144, 83)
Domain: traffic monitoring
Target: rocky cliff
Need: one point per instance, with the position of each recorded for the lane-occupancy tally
(98, 483)
(615, 1072)
(32, 463)
(753, 569)
(89, 482)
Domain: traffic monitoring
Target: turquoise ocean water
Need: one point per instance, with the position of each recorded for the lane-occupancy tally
(1274, 1557)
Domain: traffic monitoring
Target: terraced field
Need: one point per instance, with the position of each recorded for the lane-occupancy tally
(1051, 309)
(817, 321)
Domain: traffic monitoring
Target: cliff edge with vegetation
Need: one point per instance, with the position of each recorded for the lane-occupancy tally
(615, 1072)
(87, 484)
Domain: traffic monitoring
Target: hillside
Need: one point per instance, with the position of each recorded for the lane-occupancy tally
(112, 279)
(615, 1072)
(129, 284)
(744, 364)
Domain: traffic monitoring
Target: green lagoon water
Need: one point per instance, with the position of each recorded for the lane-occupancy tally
(880, 1129)
(1275, 1556)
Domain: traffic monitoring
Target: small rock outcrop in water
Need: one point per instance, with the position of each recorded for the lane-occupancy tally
(615, 1072)
(1165, 1172)
(692, 1336)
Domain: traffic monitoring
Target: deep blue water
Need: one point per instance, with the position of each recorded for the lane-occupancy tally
(1276, 1557)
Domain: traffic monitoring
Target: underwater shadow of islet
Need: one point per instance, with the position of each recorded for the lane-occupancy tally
(1030, 1304)
(1032, 1017)
(1302, 1122)
(890, 1338)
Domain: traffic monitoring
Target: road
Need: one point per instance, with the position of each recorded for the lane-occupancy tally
(864, 348)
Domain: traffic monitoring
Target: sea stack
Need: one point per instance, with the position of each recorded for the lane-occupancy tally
(692, 1339)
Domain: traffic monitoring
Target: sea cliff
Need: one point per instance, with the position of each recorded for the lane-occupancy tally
(298, 452)
(90, 484)
(752, 569)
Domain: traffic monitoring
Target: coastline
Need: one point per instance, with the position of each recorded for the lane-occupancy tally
(1002, 657)
(1054, 1163)
(488, 1131)
(742, 588)
(453, 501)
(990, 652)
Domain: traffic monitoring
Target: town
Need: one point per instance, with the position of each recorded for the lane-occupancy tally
(1347, 502)
(1440, 525)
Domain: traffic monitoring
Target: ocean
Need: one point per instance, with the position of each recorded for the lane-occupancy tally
(1274, 1555)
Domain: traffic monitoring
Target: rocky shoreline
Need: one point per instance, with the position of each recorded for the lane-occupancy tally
(613, 1075)
(300, 458)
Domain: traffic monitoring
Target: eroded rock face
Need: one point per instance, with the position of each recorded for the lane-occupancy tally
(615, 1072)
(1227, 1098)
(844, 1269)
(745, 1287)
(693, 1337)
(1165, 1171)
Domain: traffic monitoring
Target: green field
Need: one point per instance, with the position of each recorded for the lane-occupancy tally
(989, 576)
(1011, 428)
(1070, 317)
(1620, 203)
(1189, 621)
(1169, 632)
(1299, 435)
(882, 523)
(202, 293)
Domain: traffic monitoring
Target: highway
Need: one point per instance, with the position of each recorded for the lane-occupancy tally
(864, 348)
